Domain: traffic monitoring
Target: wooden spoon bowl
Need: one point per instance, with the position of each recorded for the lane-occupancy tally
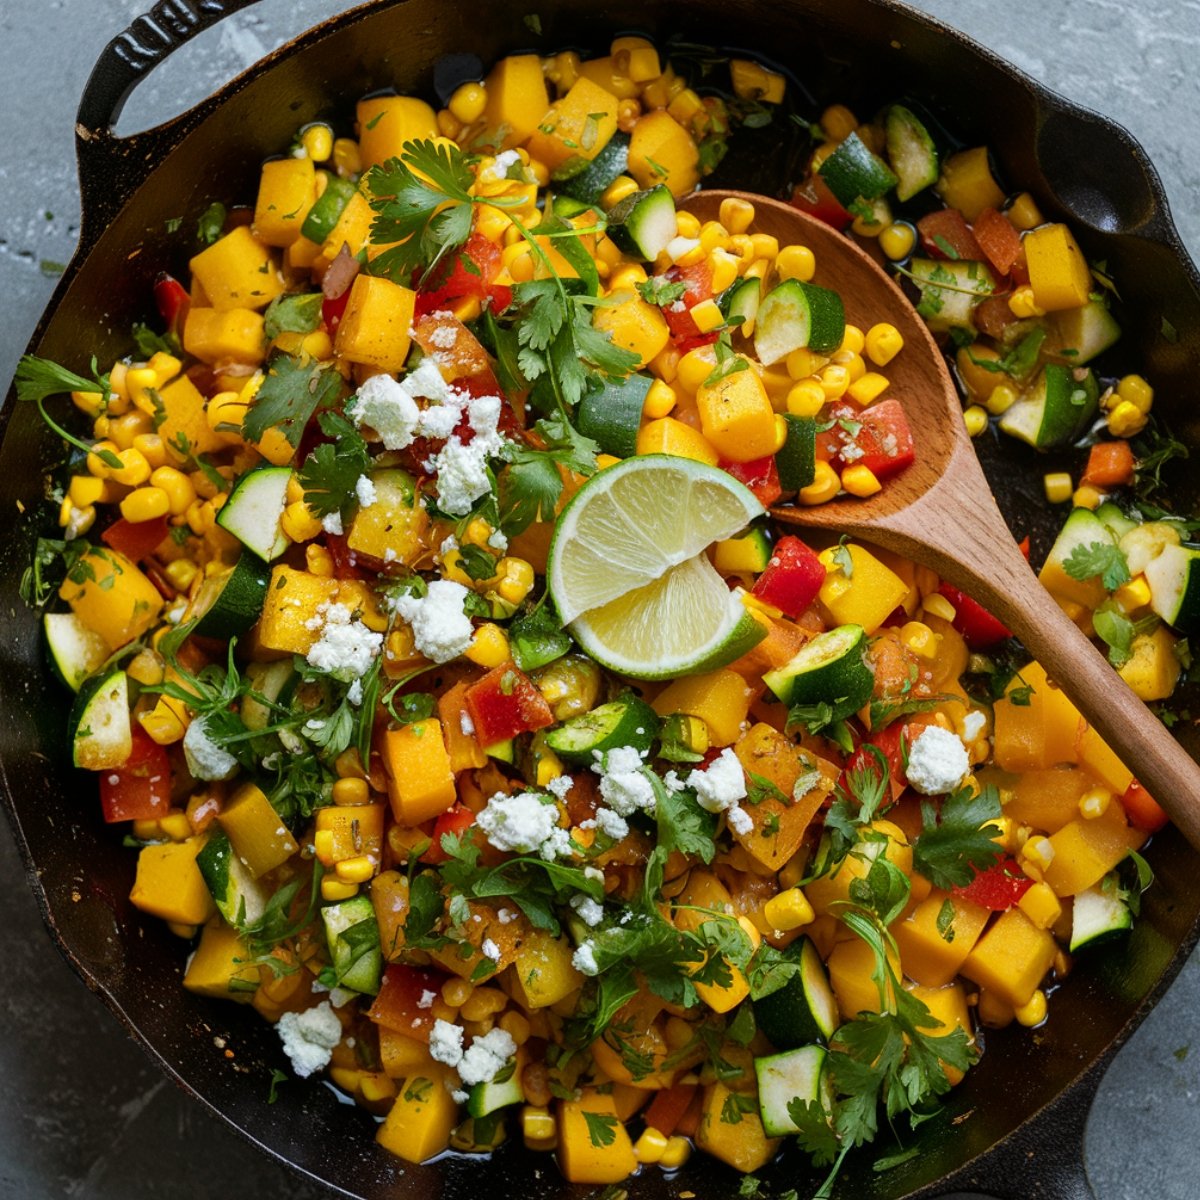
(941, 512)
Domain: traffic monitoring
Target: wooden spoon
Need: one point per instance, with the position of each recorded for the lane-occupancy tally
(940, 512)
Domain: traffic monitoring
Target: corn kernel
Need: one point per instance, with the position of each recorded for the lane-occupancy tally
(358, 869)
(318, 561)
(482, 1003)
(317, 140)
(334, 889)
(724, 268)
(1038, 851)
(1058, 486)
(150, 447)
(1021, 304)
(516, 579)
(468, 102)
(660, 399)
(678, 1151)
(181, 573)
(860, 480)
(788, 910)
(85, 490)
(516, 1025)
(176, 826)
(694, 368)
(351, 790)
(781, 433)
(804, 364)
(134, 469)
(490, 646)
(1024, 213)
(938, 606)
(834, 381)
(346, 158)
(1001, 400)
(838, 122)
(1040, 905)
(869, 387)
(765, 245)
(1094, 803)
(713, 236)
(626, 277)
(456, 992)
(176, 486)
(708, 316)
(1086, 496)
(975, 419)
(736, 215)
(299, 522)
(628, 112)
(796, 262)
(882, 343)
(650, 1146)
(897, 240)
(824, 487)
(1137, 391)
(920, 639)
(687, 225)
(549, 767)
(145, 504)
(1126, 420)
(1033, 1012)
(1133, 595)
(538, 1128)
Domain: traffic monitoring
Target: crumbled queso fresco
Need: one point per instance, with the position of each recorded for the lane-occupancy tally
(480, 1062)
(205, 759)
(526, 823)
(937, 762)
(441, 629)
(309, 1037)
(346, 648)
(720, 786)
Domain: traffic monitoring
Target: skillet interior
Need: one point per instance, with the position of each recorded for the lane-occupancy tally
(137, 965)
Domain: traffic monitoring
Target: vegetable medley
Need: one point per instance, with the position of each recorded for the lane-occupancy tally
(468, 716)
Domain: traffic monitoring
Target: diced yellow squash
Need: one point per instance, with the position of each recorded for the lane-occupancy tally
(662, 151)
(348, 830)
(1095, 754)
(516, 100)
(301, 254)
(185, 430)
(633, 1048)
(292, 599)
(385, 123)
(221, 958)
(826, 893)
(287, 188)
(703, 896)
(928, 955)
(1046, 799)
(966, 183)
(666, 435)
(635, 58)
(1041, 733)
(420, 782)
(606, 73)
(542, 973)
(721, 699)
(111, 596)
(851, 964)
(464, 749)
(168, 883)
(752, 81)
(1011, 958)
(1058, 272)
(576, 128)
(419, 1123)
(238, 271)
(352, 229)
(1154, 668)
(389, 897)
(1086, 849)
(870, 594)
(258, 835)
(744, 1145)
(402, 1056)
(949, 1005)
(375, 328)
(391, 528)
(215, 336)
(634, 325)
(580, 1158)
(1089, 593)
(736, 416)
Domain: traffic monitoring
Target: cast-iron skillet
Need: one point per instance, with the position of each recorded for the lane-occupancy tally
(1015, 1127)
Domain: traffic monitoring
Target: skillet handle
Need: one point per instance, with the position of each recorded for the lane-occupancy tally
(122, 65)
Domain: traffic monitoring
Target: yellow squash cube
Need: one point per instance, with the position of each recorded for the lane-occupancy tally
(851, 964)
(220, 964)
(1042, 733)
(949, 1006)
(580, 1158)
(112, 597)
(385, 123)
(744, 1145)
(420, 1122)
(1058, 272)
(286, 191)
(1047, 799)
(402, 1056)
(634, 325)
(721, 699)
(870, 594)
(1154, 668)
(420, 782)
(966, 183)
(185, 423)
(542, 973)
(258, 835)
(576, 128)
(391, 528)
(516, 100)
(169, 884)
(375, 328)
(736, 416)
(389, 897)
(292, 600)
(1095, 754)
(1086, 849)
(237, 271)
(352, 229)
(829, 891)
(1011, 959)
(216, 335)
(662, 151)
(666, 435)
(929, 956)
(348, 830)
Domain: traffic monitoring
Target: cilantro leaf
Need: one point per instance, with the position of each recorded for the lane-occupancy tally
(331, 472)
(601, 1128)
(532, 483)
(957, 840)
(150, 343)
(537, 639)
(292, 391)
(293, 314)
(211, 223)
(660, 291)
(1116, 631)
(39, 378)
(1098, 558)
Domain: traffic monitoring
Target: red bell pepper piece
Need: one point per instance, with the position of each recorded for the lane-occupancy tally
(473, 269)
(668, 1106)
(1109, 465)
(1143, 811)
(345, 560)
(814, 198)
(890, 741)
(978, 627)
(697, 280)
(792, 578)
(759, 475)
(877, 438)
(946, 234)
(457, 820)
(135, 539)
(997, 888)
(405, 1000)
(141, 789)
(999, 241)
(504, 703)
(173, 302)
(333, 309)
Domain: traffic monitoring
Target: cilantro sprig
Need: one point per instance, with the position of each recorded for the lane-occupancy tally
(330, 474)
(532, 483)
(957, 838)
(37, 379)
(293, 389)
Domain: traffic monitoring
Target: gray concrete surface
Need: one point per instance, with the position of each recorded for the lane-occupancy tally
(82, 1112)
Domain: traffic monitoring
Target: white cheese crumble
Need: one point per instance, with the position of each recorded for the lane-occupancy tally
(721, 784)
(526, 823)
(461, 467)
(364, 489)
(205, 759)
(427, 999)
(559, 786)
(497, 540)
(388, 408)
(440, 628)
(332, 523)
(486, 1057)
(346, 648)
(623, 782)
(584, 960)
(446, 1043)
(739, 819)
(590, 912)
(309, 1037)
(489, 949)
(611, 823)
(972, 725)
(937, 761)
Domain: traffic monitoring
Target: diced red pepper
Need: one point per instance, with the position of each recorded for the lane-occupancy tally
(135, 539)
(405, 1000)
(999, 241)
(333, 309)
(814, 198)
(877, 438)
(504, 703)
(456, 820)
(978, 627)
(792, 578)
(1109, 465)
(668, 1106)
(946, 234)
(760, 476)
(345, 560)
(997, 888)
(471, 274)
(890, 742)
(697, 280)
(141, 789)
(173, 302)
(1143, 811)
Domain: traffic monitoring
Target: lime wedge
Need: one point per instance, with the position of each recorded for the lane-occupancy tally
(634, 521)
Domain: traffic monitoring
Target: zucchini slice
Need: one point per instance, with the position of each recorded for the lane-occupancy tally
(352, 934)
(612, 414)
(327, 209)
(592, 182)
(796, 460)
(644, 223)
(99, 726)
(740, 300)
(239, 897)
(854, 171)
(831, 669)
(254, 508)
(505, 1089)
(625, 722)
(793, 1075)
(1174, 579)
(76, 650)
(229, 603)
(804, 1009)
(794, 315)
(1055, 410)
(1099, 914)
(911, 152)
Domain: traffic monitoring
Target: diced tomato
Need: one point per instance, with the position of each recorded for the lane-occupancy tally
(877, 437)
(978, 627)
(760, 476)
(890, 741)
(1023, 546)
(793, 577)
(1143, 811)
(504, 703)
(814, 198)
(141, 789)
(992, 317)
(173, 302)
(471, 274)
(668, 1106)
(698, 282)
(345, 561)
(999, 241)
(946, 234)
(135, 539)
(333, 309)
(405, 1000)
(1109, 464)
(997, 888)
(456, 820)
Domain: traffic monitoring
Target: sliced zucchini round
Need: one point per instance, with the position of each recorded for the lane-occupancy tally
(794, 1075)
(229, 603)
(625, 722)
(612, 415)
(911, 152)
(831, 669)
(794, 315)
(804, 1009)
(99, 726)
(254, 508)
(76, 650)
(644, 223)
